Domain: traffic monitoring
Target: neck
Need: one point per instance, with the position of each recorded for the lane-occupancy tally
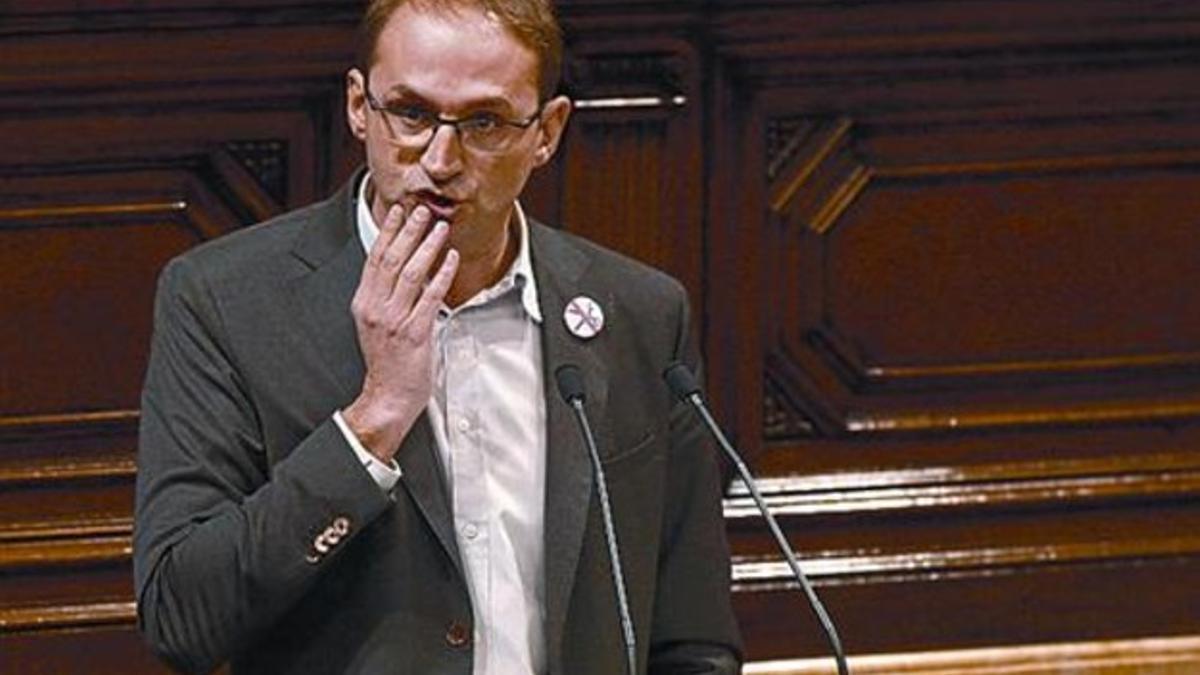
(483, 268)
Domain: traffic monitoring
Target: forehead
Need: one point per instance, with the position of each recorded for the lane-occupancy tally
(453, 57)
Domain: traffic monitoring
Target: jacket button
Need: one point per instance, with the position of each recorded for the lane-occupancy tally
(457, 634)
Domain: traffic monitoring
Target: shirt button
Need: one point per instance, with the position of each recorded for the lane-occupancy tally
(457, 634)
(464, 424)
(470, 531)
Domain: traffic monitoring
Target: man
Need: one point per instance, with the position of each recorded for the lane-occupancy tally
(353, 458)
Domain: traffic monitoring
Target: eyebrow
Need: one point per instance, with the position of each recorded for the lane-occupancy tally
(405, 94)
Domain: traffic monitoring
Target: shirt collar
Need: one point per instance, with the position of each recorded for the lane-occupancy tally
(520, 274)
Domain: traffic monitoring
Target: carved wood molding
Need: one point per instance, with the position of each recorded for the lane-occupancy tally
(781, 416)
(68, 424)
(649, 82)
(813, 170)
(865, 376)
(67, 616)
(24, 216)
(769, 573)
(76, 528)
(1111, 510)
(83, 538)
(1074, 483)
(650, 71)
(31, 18)
(1178, 411)
(1149, 656)
(815, 176)
(85, 533)
(796, 403)
(57, 470)
(67, 552)
(211, 193)
(1061, 492)
(267, 162)
(788, 44)
(253, 63)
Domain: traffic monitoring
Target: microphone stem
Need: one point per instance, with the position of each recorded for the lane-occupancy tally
(744, 473)
(614, 553)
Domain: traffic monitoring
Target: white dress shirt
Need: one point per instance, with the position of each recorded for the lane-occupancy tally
(489, 421)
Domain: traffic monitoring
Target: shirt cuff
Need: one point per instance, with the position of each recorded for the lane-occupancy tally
(385, 475)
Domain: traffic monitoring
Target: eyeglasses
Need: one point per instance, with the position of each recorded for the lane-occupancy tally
(412, 126)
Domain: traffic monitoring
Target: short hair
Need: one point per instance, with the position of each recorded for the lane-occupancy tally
(532, 22)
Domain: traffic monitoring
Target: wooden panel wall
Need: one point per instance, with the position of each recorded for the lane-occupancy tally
(943, 255)
(129, 135)
(969, 274)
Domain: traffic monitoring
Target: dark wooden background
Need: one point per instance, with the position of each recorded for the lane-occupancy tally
(946, 257)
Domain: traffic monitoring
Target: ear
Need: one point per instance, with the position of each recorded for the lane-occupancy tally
(555, 114)
(356, 103)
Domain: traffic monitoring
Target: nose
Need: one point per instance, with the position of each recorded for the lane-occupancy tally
(443, 157)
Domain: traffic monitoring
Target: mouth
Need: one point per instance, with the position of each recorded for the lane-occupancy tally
(442, 206)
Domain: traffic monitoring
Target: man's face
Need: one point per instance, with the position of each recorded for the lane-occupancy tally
(460, 64)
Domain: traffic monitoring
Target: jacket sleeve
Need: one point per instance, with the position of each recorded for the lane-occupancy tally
(223, 543)
(694, 629)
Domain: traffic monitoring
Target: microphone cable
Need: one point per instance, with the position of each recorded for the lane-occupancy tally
(683, 384)
(570, 387)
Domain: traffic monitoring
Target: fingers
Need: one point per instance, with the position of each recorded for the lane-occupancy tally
(396, 278)
(411, 278)
(392, 222)
(435, 293)
(398, 238)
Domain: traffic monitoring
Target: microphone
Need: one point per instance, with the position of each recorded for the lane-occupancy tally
(683, 384)
(570, 386)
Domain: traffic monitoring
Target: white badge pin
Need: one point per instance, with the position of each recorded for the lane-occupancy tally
(583, 317)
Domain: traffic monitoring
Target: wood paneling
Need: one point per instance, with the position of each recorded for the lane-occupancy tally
(130, 135)
(970, 344)
(941, 253)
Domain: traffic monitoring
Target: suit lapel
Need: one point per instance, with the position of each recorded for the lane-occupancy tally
(560, 277)
(425, 481)
(323, 298)
(331, 248)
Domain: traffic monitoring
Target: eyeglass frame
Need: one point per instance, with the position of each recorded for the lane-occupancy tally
(439, 120)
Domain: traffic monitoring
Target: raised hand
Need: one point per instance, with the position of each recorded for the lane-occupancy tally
(394, 309)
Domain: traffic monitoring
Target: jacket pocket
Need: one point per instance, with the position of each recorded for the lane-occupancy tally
(629, 460)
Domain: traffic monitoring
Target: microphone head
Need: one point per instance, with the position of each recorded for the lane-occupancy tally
(681, 381)
(570, 383)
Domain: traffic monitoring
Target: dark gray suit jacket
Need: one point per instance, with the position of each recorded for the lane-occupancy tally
(242, 475)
